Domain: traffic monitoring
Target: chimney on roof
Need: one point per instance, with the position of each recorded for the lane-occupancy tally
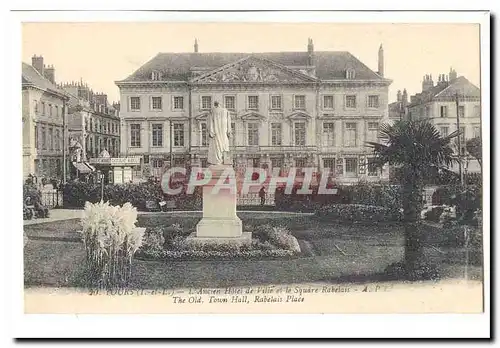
(398, 98)
(381, 61)
(310, 52)
(443, 80)
(101, 99)
(50, 73)
(195, 45)
(404, 98)
(37, 63)
(452, 75)
(427, 83)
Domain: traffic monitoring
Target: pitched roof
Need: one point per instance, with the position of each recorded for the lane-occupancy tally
(177, 66)
(460, 85)
(31, 76)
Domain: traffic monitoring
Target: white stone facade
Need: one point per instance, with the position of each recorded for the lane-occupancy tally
(292, 119)
(42, 116)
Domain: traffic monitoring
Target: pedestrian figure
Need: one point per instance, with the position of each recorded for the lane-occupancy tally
(262, 195)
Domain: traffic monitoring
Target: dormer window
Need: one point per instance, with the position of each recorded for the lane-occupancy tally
(156, 76)
(350, 74)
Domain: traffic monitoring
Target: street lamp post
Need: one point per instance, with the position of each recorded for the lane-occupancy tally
(64, 141)
(459, 141)
(171, 142)
(102, 186)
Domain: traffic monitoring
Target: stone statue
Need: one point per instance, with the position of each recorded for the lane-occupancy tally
(104, 154)
(76, 150)
(219, 132)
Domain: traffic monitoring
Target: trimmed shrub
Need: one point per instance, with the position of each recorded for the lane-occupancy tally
(296, 202)
(434, 214)
(172, 234)
(257, 249)
(467, 201)
(447, 218)
(382, 195)
(358, 213)
(29, 190)
(153, 244)
(77, 193)
(375, 194)
(279, 236)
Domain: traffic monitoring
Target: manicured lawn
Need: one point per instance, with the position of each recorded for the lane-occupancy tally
(335, 252)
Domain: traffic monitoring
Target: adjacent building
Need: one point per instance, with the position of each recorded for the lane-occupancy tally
(438, 104)
(94, 122)
(289, 109)
(398, 109)
(43, 111)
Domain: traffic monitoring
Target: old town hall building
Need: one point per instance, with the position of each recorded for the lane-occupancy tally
(289, 109)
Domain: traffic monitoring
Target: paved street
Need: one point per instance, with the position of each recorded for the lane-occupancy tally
(56, 215)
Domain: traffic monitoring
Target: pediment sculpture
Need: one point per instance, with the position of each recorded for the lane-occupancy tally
(253, 70)
(252, 74)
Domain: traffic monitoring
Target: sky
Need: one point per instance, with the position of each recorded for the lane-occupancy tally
(101, 53)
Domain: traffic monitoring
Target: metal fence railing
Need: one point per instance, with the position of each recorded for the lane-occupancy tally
(254, 199)
(52, 198)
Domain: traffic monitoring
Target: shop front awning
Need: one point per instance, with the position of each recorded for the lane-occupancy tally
(82, 167)
(92, 168)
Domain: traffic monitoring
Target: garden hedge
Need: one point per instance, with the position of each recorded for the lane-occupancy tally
(358, 213)
(382, 195)
(76, 193)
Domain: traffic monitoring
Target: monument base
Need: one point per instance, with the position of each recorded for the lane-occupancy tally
(220, 224)
(222, 227)
(244, 239)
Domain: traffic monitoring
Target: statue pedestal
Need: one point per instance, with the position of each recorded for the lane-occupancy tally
(220, 224)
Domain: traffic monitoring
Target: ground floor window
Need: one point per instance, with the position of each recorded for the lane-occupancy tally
(157, 162)
(372, 168)
(179, 162)
(277, 162)
(300, 163)
(329, 163)
(255, 162)
(136, 172)
(351, 166)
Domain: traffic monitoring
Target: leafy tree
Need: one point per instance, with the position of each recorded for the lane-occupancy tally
(417, 149)
(473, 147)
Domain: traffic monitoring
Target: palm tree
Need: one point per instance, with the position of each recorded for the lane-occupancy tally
(417, 149)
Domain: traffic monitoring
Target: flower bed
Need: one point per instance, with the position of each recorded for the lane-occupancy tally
(170, 244)
(358, 213)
